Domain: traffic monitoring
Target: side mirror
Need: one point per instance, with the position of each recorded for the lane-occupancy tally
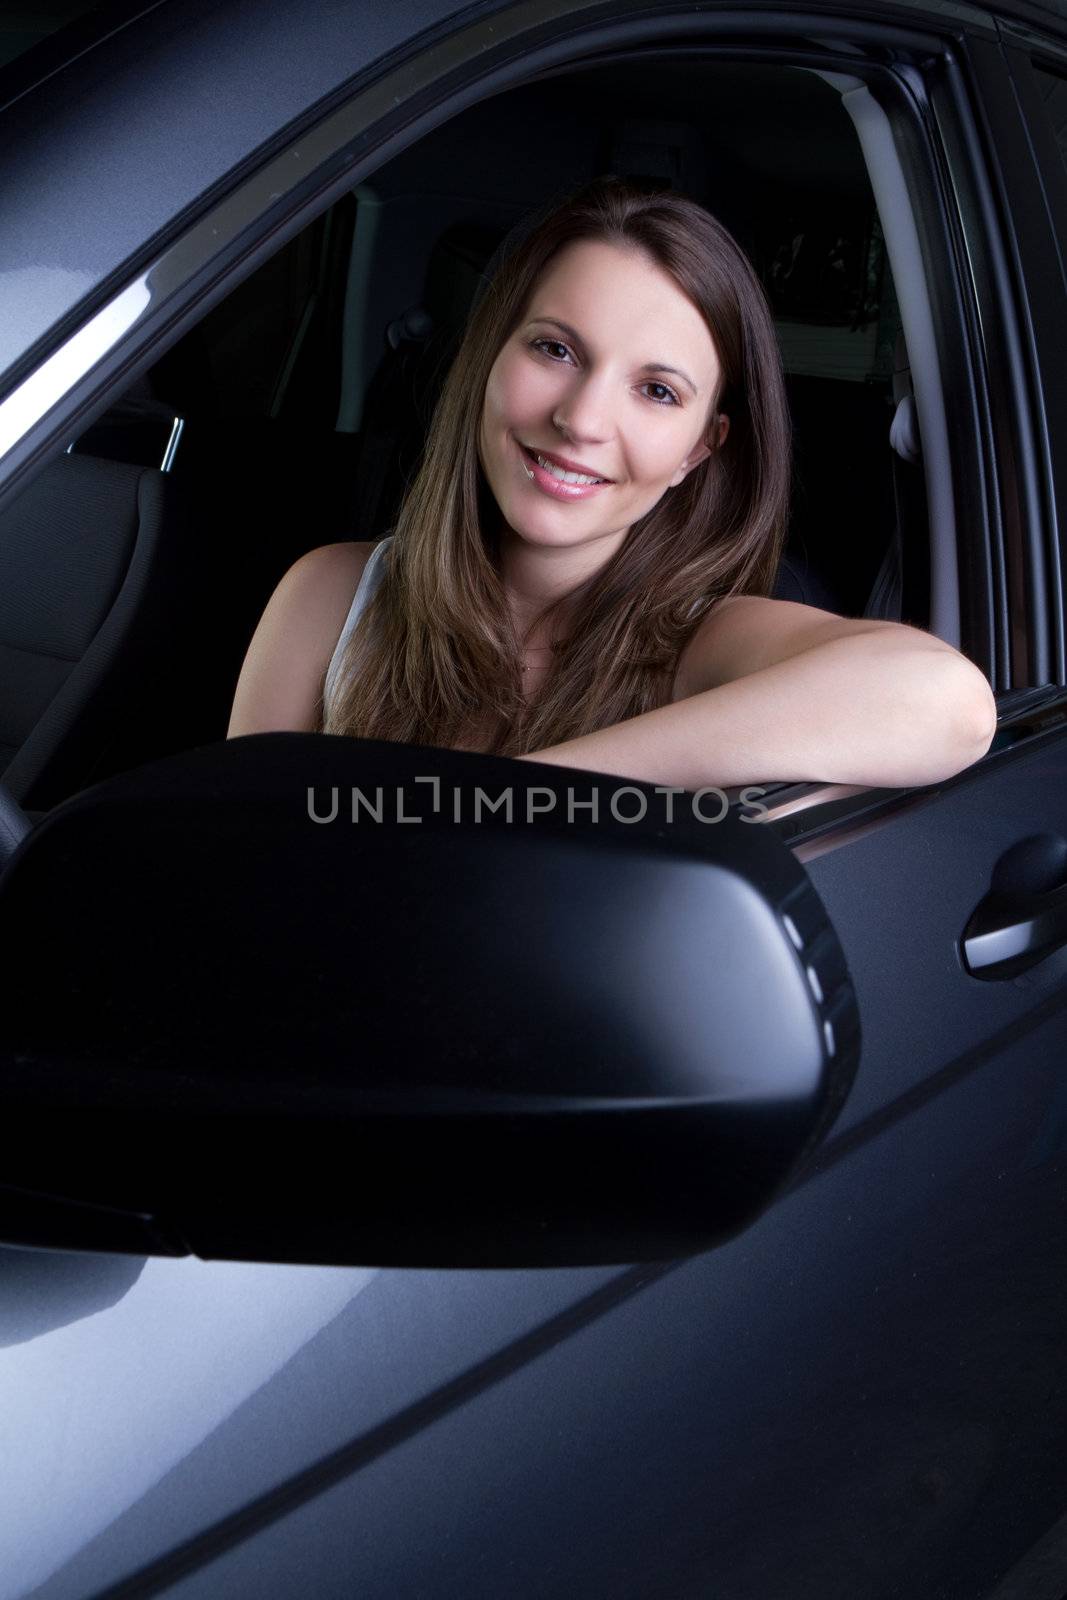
(256, 1010)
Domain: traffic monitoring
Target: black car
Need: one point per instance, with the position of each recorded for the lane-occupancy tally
(672, 1207)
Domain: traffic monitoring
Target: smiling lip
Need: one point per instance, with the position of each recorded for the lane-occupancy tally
(544, 481)
(568, 466)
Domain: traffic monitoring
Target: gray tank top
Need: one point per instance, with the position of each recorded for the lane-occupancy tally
(373, 573)
(372, 576)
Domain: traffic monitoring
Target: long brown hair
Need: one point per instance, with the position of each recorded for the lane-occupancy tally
(436, 650)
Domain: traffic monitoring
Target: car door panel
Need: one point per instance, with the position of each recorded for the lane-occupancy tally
(857, 1397)
(841, 1403)
(901, 899)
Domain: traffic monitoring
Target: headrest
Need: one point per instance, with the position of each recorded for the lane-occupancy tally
(511, 240)
(904, 430)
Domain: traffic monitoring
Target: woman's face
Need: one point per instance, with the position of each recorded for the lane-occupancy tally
(611, 370)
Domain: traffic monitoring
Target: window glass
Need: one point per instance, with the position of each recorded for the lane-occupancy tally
(23, 26)
(1053, 90)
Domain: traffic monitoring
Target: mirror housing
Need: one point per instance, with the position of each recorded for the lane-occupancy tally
(294, 997)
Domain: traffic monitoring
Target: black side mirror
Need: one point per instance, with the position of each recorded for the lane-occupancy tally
(255, 1010)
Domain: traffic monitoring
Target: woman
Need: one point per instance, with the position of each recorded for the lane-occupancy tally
(616, 618)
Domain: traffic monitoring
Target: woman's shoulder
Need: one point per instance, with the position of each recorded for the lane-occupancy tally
(323, 581)
(328, 563)
(281, 678)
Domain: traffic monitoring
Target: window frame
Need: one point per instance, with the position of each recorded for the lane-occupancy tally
(915, 75)
(1008, 243)
(1026, 51)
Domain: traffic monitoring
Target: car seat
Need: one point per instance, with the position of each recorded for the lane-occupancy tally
(891, 597)
(105, 632)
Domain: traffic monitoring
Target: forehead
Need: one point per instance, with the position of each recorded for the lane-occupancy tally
(618, 292)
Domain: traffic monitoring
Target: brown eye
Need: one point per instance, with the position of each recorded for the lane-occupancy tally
(672, 397)
(536, 344)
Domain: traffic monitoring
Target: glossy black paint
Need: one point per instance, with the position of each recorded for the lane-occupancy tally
(858, 1398)
(155, 152)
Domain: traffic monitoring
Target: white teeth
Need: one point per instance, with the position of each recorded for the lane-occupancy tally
(565, 477)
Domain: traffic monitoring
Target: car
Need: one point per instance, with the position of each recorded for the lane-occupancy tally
(406, 1193)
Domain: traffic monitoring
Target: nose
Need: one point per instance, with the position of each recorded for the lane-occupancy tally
(584, 412)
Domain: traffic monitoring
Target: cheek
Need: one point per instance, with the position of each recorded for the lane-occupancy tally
(517, 389)
(649, 460)
(492, 405)
(655, 455)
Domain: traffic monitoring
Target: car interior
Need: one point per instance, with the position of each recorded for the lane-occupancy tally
(135, 566)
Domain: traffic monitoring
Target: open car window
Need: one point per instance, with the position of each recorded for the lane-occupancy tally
(294, 412)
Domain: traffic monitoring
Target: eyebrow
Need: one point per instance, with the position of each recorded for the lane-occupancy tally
(649, 366)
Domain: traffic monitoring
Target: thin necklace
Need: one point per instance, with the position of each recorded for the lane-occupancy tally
(526, 667)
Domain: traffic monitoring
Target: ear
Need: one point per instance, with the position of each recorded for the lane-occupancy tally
(700, 451)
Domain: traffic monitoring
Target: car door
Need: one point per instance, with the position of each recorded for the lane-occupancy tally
(858, 1396)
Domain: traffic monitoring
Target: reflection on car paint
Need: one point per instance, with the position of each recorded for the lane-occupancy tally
(132, 1391)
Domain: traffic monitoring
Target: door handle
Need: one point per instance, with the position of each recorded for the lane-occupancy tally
(1007, 935)
(1023, 919)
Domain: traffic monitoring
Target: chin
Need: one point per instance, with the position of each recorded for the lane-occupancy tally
(549, 529)
(535, 536)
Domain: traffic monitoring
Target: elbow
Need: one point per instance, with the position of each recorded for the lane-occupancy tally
(978, 710)
(945, 722)
(987, 725)
(968, 711)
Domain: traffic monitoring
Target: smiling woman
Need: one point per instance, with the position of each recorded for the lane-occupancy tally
(559, 578)
(597, 398)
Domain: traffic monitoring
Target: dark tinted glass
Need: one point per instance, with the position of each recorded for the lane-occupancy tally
(1053, 90)
(23, 26)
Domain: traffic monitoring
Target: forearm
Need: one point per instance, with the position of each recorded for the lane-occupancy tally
(880, 709)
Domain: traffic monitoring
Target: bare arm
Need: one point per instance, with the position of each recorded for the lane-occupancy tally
(280, 686)
(804, 697)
